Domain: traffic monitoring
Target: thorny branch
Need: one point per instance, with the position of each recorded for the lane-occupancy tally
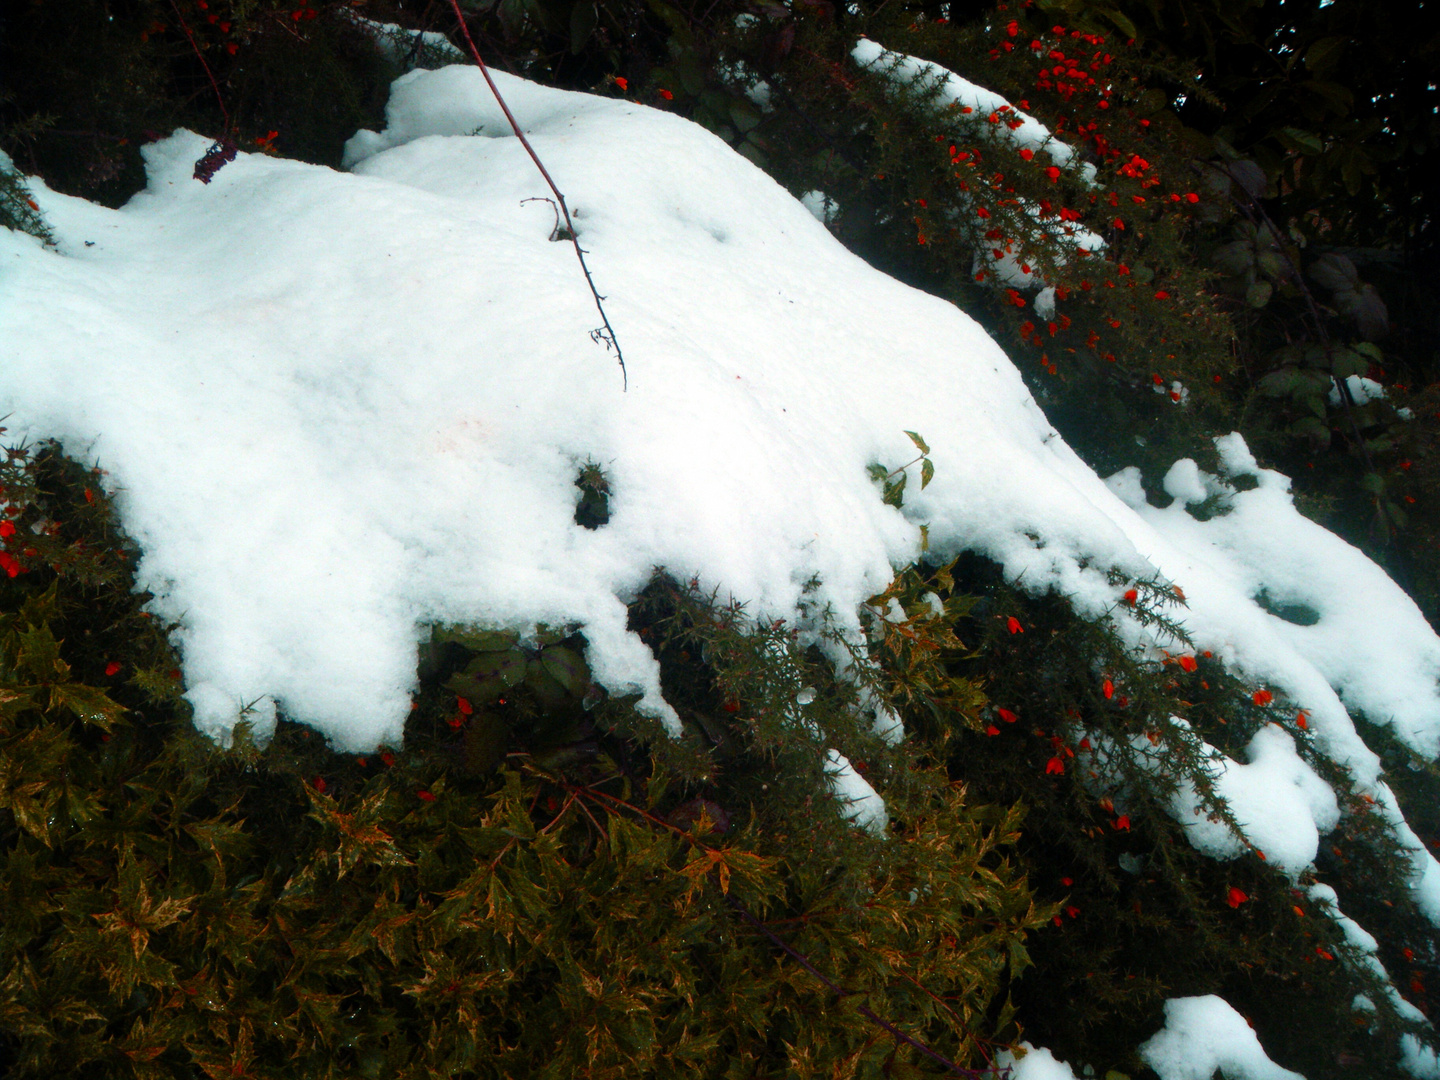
(605, 334)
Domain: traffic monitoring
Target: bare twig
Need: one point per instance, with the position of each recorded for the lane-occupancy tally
(219, 97)
(605, 334)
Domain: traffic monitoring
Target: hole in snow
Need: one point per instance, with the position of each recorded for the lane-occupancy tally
(1297, 612)
(593, 508)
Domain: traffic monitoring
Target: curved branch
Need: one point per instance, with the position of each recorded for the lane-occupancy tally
(605, 334)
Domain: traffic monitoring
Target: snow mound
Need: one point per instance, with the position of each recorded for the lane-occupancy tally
(1203, 1034)
(1278, 801)
(1037, 1064)
(339, 407)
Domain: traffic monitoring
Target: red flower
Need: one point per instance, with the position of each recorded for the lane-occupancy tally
(1072, 911)
(112, 667)
(1055, 765)
(9, 564)
(1053, 173)
(1108, 689)
(319, 784)
(992, 730)
(1262, 697)
(1162, 295)
(1302, 719)
(980, 211)
(1188, 663)
(1013, 625)
(463, 705)
(1192, 198)
(424, 796)
(1122, 823)
(387, 757)
(1008, 716)
(1131, 596)
(623, 84)
(1323, 953)
(7, 528)
(1067, 882)
(667, 95)
(1235, 897)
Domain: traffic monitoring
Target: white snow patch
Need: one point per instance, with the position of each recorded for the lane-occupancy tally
(1416, 1059)
(1280, 804)
(860, 802)
(336, 408)
(1362, 391)
(1037, 1064)
(1202, 1034)
(957, 90)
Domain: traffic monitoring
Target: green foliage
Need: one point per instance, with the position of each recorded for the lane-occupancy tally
(1083, 732)
(892, 481)
(561, 900)
(544, 882)
(18, 210)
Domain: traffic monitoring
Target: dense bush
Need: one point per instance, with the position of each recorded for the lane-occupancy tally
(540, 882)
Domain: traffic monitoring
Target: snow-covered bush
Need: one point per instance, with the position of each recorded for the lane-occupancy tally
(695, 726)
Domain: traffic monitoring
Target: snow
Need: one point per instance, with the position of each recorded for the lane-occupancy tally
(1202, 1034)
(996, 114)
(1362, 391)
(1278, 802)
(1281, 806)
(1333, 618)
(1416, 1059)
(958, 91)
(338, 407)
(1037, 1064)
(862, 803)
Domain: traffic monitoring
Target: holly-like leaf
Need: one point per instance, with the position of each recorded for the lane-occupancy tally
(89, 704)
(919, 442)
(566, 667)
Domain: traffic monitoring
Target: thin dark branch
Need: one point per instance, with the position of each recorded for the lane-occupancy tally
(605, 334)
(219, 97)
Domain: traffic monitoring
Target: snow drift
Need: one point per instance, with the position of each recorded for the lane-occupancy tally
(337, 407)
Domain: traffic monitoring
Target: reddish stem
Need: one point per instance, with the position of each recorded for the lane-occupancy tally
(219, 97)
(606, 335)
